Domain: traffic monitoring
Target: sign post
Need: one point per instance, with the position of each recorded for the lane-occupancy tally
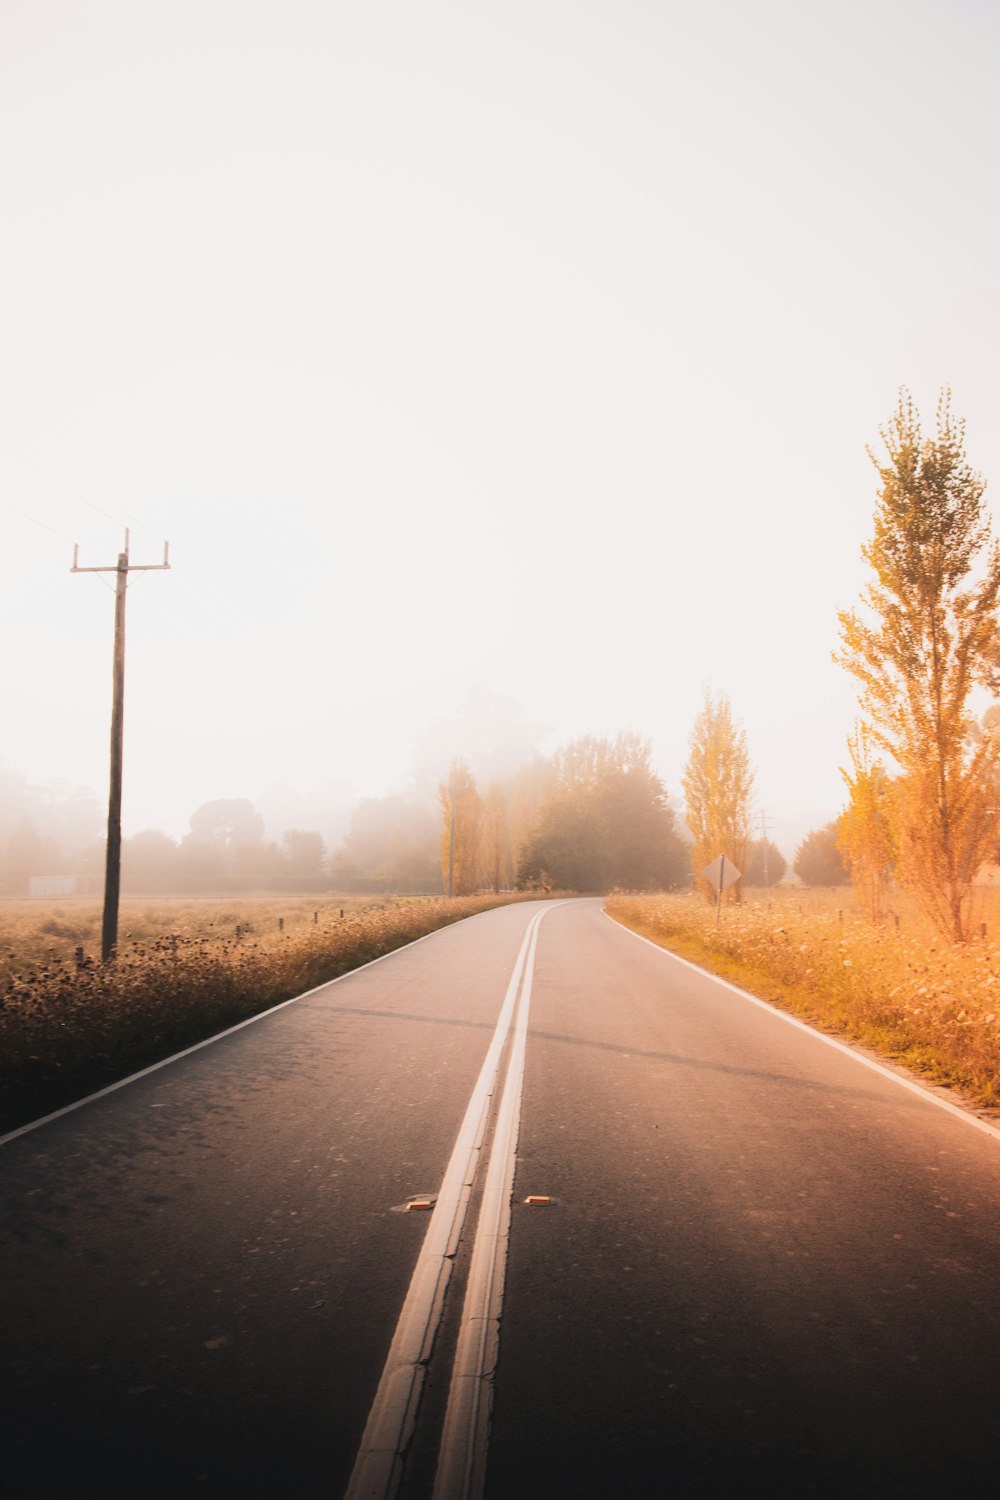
(721, 874)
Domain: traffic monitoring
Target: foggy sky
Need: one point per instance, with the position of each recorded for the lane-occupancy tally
(527, 348)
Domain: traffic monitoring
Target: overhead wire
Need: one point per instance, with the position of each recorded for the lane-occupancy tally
(58, 474)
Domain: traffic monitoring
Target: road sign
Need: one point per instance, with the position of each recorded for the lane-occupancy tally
(721, 873)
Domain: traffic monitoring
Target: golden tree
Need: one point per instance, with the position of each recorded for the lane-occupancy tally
(930, 639)
(460, 805)
(717, 782)
(863, 835)
(496, 859)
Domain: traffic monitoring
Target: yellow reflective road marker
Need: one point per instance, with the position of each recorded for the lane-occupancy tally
(538, 1200)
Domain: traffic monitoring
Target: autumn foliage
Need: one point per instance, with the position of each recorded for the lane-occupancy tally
(717, 782)
(932, 1005)
(927, 637)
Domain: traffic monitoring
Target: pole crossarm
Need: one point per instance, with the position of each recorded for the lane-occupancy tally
(130, 567)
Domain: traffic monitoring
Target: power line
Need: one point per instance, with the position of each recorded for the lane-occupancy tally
(34, 520)
(69, 483)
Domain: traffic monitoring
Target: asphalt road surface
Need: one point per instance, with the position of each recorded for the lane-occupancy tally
(766, 1267)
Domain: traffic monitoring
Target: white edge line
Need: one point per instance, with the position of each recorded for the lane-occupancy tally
(376, 1470)
(821, 1036)
(208, 1041)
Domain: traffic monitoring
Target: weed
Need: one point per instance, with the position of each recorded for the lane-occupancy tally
(183, 972)
(896, 988)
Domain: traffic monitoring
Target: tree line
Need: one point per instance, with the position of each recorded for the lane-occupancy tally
(922, 774)
(590, 817)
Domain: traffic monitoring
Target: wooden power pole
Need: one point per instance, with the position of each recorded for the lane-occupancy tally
(113, 858)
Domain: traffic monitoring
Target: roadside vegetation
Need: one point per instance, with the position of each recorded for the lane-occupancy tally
(185, 970)
(898, 988)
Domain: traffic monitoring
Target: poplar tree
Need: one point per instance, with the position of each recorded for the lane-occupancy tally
(930, 637)
(460, 806)
(863, 833)
(717, 782)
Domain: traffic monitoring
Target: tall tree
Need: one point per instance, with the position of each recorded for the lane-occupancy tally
(863, 832)
(717, 782)
(304, 851)
(460, 805)
(391, 845)
(818, 859)
(765, 864)
(930, 637)
(495, 854)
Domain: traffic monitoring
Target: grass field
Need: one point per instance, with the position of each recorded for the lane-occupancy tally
(39, 932)
(896, 988)
(185, 969)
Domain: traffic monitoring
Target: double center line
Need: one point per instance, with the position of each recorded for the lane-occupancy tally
(462, 1455)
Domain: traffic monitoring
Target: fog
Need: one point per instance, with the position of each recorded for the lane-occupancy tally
(497, 375)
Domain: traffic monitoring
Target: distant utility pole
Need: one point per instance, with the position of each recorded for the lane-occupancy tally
(113, 861)
(763, 845)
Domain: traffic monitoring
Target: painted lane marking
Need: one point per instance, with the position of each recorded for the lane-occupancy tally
(461, 1473)
(378, 1466)
(820, 1036)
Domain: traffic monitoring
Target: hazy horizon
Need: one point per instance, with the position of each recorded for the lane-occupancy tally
(528, 351)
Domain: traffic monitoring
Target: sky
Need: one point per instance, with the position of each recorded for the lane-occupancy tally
(507, 362)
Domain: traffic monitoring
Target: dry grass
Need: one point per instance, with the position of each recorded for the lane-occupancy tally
(33, 933)
(896, 989)
(185, 970)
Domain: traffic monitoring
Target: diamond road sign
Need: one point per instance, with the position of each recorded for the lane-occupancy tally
(721, 873)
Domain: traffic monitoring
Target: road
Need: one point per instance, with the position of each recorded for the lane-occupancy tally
(767, 1267)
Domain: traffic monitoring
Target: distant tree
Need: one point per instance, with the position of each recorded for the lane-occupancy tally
(460, 806)
(391, 845)
(717, 783)
(261, 867)
(46, 827)
(818, 859)
(202, 865)
(304, 853)
(228, 821)
(933, 637)
(531, 787)
(864, 834)
(764, 871)
(568, 849)
(496, 853)
(28, 853)
(150, 862)
(607, 822)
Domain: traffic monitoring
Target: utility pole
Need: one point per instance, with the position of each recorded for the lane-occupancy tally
(113, 859)
(763, 846)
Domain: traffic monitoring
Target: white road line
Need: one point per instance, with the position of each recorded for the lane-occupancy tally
(461, 1473)
(821, 1036)
(111, 1088)
(378, 1466)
